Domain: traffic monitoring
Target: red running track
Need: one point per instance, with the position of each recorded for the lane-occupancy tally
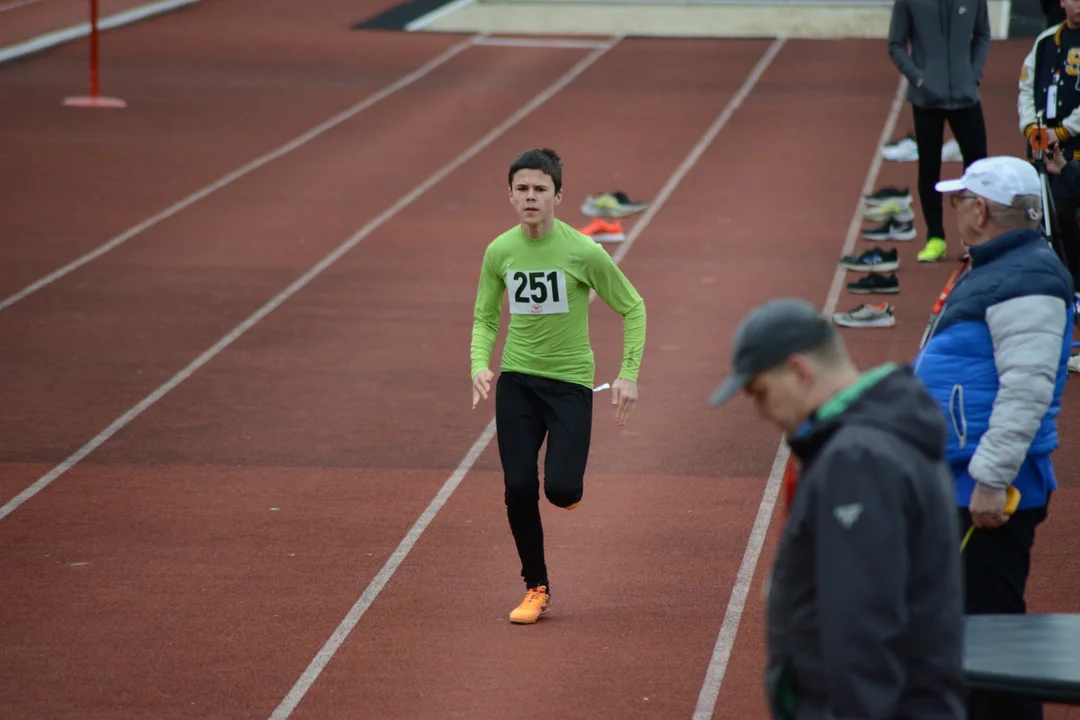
(197, 560)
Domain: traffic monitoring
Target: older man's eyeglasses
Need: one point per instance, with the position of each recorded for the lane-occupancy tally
(956, 199)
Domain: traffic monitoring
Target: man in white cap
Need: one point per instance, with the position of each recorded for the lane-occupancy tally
(994, 357)
(864, 612)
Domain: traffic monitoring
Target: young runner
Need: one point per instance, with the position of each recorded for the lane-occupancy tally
(545, 387)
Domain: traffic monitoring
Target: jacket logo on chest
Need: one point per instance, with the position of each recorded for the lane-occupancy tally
(846, 515)
(1072, 62)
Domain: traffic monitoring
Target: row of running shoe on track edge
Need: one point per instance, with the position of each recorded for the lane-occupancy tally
(892, 208)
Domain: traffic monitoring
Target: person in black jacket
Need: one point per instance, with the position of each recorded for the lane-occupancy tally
(949, 42)
(865, 601)
(1050, 84)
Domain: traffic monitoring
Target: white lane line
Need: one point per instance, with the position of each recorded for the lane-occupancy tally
(729, 628)
(326, 653)
(240, 172)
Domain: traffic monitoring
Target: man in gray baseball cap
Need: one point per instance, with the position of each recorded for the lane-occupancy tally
(864, 613)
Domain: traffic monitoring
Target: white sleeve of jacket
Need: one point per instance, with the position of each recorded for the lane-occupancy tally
(1025, 103)
(1027, 333)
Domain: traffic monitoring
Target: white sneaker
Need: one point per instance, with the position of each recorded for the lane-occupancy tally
(905, 150)
(1074, 363)
(867, 316)
(950, 152)
(891, 229)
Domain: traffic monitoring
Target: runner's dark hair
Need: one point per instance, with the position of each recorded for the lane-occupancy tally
(545, 160)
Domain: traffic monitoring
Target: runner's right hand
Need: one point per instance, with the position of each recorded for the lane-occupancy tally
(481, 386)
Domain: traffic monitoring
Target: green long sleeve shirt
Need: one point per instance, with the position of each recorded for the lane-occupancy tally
(547, 281)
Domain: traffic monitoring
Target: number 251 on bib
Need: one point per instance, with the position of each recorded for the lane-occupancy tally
(537, 292)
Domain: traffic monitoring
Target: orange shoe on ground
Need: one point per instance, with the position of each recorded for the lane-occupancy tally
(535, 604)
(602, 230)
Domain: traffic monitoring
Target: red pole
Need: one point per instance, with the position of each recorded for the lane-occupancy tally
(94, 82)
(94, 99)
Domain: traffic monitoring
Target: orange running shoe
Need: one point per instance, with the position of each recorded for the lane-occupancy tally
(604, 230)
(537, 602)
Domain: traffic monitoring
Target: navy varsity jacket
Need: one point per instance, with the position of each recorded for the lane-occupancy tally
(1053, 62)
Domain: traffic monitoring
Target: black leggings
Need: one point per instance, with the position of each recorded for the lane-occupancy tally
(996, 566)
(528, 408)
(969, 129)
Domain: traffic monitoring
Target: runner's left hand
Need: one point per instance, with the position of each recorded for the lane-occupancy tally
(624, 398)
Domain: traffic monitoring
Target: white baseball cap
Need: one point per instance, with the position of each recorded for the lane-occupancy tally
(1000, 178)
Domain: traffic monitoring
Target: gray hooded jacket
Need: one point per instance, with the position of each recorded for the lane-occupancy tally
(949, 42)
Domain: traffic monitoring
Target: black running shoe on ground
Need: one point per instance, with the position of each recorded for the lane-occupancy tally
(874, 260)
(891, 229)
(889, 194)
(875, 284)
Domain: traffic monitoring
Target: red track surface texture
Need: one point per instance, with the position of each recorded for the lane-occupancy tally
(229, 514)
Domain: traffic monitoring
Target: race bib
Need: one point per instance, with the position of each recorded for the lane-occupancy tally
(537, 292)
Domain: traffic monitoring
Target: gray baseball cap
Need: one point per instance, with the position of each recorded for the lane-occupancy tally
(767, 336)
